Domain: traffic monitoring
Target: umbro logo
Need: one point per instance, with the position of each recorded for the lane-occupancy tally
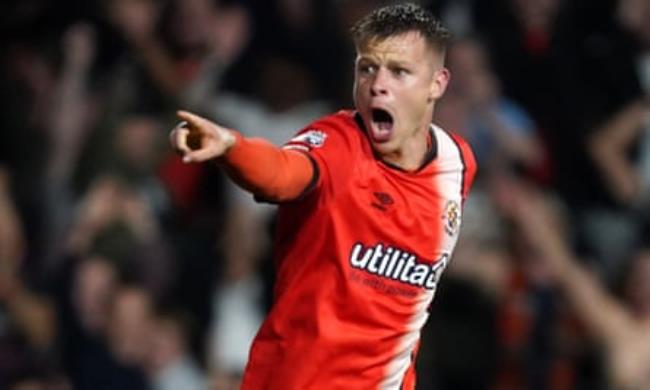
(382, 201)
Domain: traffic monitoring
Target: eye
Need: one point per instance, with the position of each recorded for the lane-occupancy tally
(401, 72)
(365, 68)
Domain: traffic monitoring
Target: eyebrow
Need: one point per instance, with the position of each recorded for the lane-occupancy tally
(398, 63)
(390, 62)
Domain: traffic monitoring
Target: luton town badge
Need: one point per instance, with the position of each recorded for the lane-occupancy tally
(451, 217)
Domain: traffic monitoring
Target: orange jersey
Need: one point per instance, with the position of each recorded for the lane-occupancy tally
(359, 257)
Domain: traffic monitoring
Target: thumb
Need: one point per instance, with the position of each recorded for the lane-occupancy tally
(199, 155)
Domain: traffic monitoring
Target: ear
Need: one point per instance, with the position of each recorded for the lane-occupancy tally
(439, 83)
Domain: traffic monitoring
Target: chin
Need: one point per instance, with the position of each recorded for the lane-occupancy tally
(383, 148)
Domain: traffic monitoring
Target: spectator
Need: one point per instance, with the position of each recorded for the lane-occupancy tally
(498, 129)
(115, 221)
(620, 327)
(618, 216)
(169, 363)
(28, 326)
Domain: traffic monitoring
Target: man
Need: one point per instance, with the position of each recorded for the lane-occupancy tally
(370, 204)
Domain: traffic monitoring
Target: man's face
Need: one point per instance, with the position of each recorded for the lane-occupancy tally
(397, 81)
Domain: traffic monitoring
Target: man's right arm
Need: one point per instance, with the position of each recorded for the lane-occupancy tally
(254, 164)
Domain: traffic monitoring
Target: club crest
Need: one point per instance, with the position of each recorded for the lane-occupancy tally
(451, 217)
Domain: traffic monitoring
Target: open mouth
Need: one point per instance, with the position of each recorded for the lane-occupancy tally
(382, 124)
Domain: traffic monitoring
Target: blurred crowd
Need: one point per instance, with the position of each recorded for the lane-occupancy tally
(123, 268)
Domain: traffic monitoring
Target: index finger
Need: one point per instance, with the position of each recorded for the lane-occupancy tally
(192, 119)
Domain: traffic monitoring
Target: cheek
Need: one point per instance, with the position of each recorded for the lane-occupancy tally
(360, 90)
(414, 100)
(361, 83)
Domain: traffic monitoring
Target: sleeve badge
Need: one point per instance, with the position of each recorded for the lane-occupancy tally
(451, 217)
(312, 138)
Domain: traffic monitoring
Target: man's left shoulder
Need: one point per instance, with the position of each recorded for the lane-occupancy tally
(453, 148)
(455, 154)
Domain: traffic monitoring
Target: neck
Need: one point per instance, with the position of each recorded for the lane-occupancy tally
(410, 157)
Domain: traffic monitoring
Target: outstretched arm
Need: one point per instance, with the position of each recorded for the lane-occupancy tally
(607, 317)
(254, 164)
(608, 148)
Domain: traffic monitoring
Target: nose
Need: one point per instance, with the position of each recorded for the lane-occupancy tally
(379, 83)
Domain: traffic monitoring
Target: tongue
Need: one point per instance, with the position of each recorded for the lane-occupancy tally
(385, 126)
(382, 131)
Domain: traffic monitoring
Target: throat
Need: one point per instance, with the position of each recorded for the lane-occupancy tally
(412, 157)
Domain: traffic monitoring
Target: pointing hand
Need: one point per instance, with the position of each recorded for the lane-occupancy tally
(198, 139)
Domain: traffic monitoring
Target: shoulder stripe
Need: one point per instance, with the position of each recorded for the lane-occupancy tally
(468, 161)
